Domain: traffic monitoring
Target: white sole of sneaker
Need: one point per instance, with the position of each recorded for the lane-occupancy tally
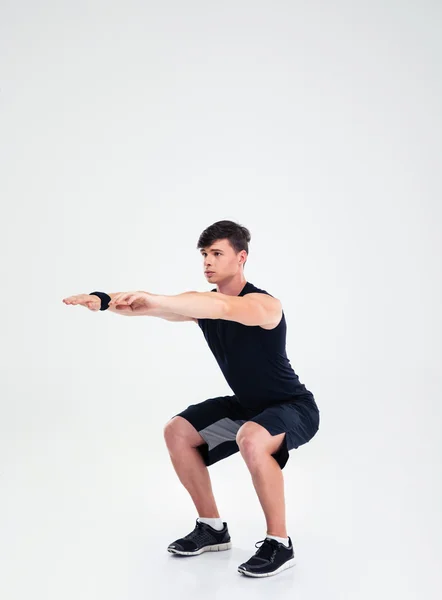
(215, 548)
(287, 565)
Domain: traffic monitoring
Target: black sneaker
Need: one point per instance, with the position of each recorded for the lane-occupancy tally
(203, 538)
(271, 558)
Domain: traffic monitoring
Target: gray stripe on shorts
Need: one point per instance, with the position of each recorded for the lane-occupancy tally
(224, 430)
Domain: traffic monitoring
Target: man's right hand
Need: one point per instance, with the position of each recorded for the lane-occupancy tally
(90, 301)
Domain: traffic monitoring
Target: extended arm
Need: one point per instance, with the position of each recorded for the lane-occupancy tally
(147, 312)
(254, 309)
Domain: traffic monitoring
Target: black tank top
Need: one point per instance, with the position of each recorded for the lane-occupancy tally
(252, 359)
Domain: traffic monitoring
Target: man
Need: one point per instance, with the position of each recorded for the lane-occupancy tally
(270, 412)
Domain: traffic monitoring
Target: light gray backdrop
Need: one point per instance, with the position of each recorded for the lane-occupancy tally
(128, 128)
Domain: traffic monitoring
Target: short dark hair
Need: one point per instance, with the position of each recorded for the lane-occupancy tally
(238, 236)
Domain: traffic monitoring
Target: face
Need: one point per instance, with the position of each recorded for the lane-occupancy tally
(221, 261)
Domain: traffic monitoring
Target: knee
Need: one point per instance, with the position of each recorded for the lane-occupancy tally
(173, 432)
(179, 433)
(250, 440)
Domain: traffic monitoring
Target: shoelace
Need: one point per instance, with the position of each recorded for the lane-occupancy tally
(267, 550)
(199, 530)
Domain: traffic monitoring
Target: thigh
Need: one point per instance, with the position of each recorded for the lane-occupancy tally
(217, 421)
(299, 420)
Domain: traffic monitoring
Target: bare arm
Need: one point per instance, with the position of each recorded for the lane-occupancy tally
(148, 312)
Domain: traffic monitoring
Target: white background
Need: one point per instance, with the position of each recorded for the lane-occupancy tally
(126, 130)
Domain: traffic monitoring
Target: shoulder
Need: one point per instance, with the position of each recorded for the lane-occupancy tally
(266, 300)
(261, 295)
(253, 289)
(269, 306)
(269, 302)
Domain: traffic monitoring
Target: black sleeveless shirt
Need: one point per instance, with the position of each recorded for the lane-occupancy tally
(252, 359)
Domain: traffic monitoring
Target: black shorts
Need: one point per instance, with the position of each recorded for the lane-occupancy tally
(218, 420)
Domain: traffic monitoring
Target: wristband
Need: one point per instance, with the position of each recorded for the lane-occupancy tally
(105, 299)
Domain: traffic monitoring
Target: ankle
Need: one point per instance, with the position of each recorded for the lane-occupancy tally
(281, 539)
(215, 522)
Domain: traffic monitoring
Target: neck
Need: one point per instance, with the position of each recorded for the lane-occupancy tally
(232, 286)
